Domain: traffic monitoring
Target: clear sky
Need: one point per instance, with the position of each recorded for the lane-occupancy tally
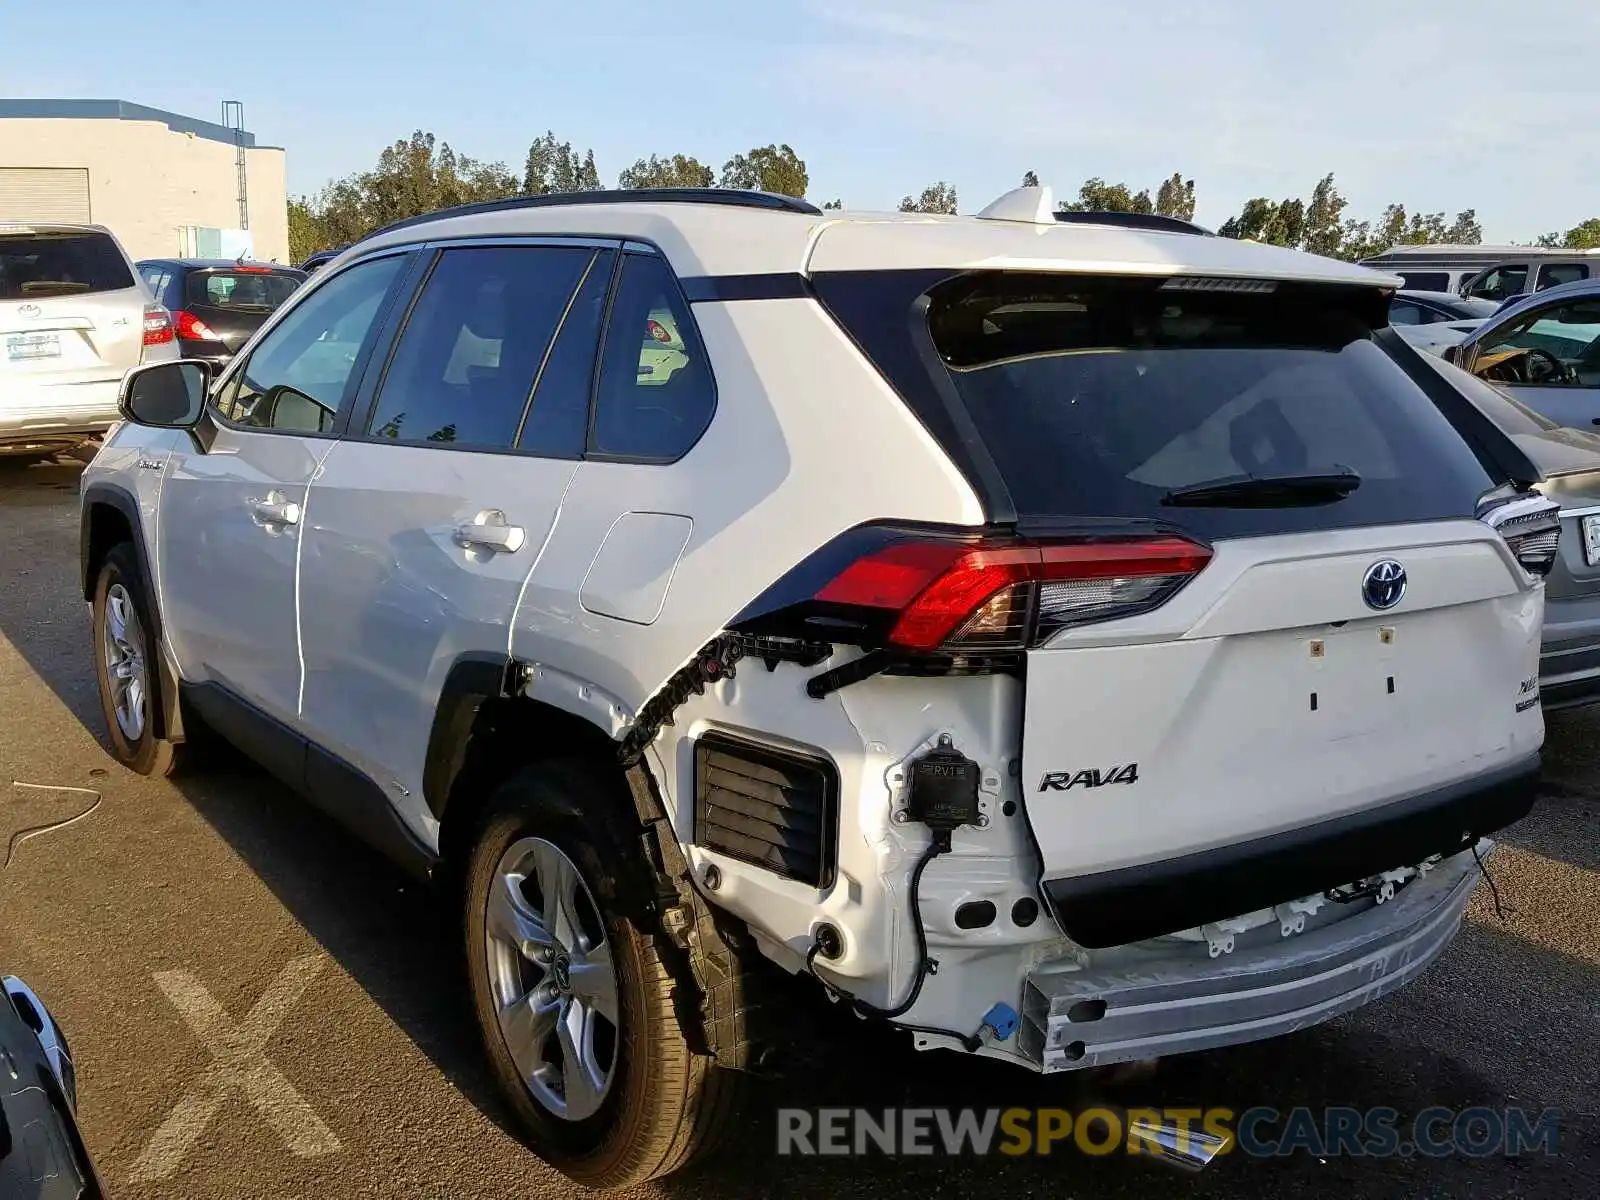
(1440, 106)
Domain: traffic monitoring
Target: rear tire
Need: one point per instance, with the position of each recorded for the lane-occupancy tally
(652, 1105)
(127, 666)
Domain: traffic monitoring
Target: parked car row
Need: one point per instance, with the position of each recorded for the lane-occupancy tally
(1494, 273)
(75, 314)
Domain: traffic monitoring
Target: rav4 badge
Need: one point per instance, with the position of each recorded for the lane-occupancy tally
(1064, 781)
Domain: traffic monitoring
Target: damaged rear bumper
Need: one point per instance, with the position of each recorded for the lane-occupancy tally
(1168, 996)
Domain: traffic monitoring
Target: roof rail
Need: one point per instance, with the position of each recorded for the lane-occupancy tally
(733, 197)
(1129, 220)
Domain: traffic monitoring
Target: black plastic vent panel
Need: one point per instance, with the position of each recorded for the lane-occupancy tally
(773, 808)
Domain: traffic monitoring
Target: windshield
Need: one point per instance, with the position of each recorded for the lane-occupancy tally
(251, 291)
(43, 264)
(1101, 396)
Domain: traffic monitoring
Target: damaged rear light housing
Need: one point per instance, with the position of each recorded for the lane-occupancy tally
(1531, 527)
(919, 592)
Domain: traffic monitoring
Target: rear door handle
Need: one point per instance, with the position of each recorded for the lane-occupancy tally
(275, 509)
(490, 531)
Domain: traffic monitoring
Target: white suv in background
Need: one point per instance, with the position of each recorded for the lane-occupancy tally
(714, 592)
(74, 317)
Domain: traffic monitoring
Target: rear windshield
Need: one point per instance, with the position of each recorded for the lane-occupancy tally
(40, 265)
(252, 291)
(1104, 397)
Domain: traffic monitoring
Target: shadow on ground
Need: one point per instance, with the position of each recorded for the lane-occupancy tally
(1497, 1022)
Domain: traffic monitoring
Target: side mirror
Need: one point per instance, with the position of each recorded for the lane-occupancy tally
(1452, 355)
(166, 395)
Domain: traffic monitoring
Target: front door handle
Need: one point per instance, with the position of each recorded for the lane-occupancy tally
(275, 509)
(490, 531)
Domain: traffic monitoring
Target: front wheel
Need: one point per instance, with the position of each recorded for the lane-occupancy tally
(573, 1000)
(126, 666)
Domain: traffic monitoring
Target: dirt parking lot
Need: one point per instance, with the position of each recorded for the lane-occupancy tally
(259, 1007)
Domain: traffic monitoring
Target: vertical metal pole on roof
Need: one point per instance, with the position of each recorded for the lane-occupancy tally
(233, 118)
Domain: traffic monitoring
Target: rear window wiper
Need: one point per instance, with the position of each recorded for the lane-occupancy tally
(1267, 491)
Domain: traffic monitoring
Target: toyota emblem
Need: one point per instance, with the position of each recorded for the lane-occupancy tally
(28, 310)
(1384, 584)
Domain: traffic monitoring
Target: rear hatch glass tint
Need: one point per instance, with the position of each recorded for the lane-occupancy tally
(1105, 397)
(42, 264)
(257, 292)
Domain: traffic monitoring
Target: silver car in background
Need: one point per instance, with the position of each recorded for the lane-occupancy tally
(1569, 460)
(74, 316)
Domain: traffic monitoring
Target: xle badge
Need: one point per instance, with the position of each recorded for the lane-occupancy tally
(1064, 781)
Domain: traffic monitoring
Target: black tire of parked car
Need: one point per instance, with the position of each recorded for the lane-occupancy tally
(668, 1105)
(149, 754)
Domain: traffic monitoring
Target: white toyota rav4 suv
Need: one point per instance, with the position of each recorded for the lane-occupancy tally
(1071, 641)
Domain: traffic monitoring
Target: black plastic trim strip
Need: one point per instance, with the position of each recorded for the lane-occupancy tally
(1114, 908)
(333, 785)
(701, 289)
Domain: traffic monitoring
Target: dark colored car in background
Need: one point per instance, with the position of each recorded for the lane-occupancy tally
(1411, 307)
(42, 1155)
(217, 304)
(318, 259)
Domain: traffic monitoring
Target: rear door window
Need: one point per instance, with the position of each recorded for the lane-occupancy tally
(40, 265)
(1554, 274)
(1404, 312)
(655, 395)
(1101, 398)
(465, 369)
(1426, 281)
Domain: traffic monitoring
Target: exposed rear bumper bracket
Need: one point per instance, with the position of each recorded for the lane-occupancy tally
(1132, 904)
(1147, 1001)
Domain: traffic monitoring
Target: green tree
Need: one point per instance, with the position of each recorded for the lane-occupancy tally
(305, 229)
(1175, 197)
(413, 176)
(1584, 236)
(1323, 231)
(1096, 195)
(1253, 221)
(1029, 179)
(939, 198)
(1465, 231)
(553, 166)
(775, 169)
(833, 204)
(677, 171)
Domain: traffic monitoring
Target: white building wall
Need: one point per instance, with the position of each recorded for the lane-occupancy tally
(147, 181)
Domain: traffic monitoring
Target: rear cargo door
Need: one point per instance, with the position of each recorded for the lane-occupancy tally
(70, 308)
(1355, 636)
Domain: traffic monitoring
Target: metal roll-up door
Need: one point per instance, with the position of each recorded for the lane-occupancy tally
(44, 194)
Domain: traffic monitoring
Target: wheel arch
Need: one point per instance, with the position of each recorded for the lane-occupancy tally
(486, 725)
(108, 517)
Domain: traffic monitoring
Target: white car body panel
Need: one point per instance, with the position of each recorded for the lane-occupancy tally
(390, 599)
(1219, 715)
(228, 577)
(771, 479)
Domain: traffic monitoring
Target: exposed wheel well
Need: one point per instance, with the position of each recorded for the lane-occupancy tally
(105, 526)
(494, 737)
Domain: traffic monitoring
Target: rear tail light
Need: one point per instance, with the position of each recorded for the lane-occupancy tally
(192, 328)
(1531, 526)
(926, 594)
(157, 325)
